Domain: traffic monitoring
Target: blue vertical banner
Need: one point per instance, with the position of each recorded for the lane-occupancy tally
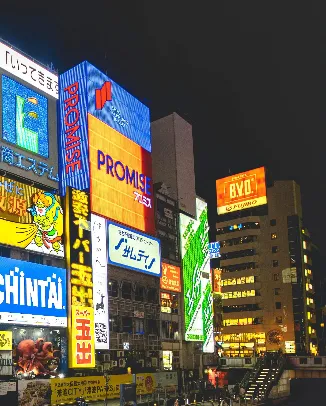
(73, 139)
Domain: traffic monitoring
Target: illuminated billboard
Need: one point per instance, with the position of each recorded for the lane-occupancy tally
(217, 283)
(133, 250)
(85, 89)
(30, 218)
(28, 99)
(120, 172)
(32, 294)
(241, 191)
(170, 279)
(100, 282)
(198, 298)
(79, 263)
(214, 250)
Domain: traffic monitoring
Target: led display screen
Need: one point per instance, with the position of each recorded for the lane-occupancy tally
(241, 191)
(121, 182)
(198, 299)
(32, 294)
(28, 119)
(134, 250)
(84, 89)
(214, 250)
(30, 218)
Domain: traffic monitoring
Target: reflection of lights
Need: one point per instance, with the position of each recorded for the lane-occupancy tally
(61, 376)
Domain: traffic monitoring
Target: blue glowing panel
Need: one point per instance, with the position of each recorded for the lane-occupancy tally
(24, 117)
(32, 294)
(73, 138)
(113, 105)
(214, 250)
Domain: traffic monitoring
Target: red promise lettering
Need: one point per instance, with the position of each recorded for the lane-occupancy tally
(72, 126)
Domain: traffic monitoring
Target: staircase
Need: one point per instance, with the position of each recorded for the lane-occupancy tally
(267, 372)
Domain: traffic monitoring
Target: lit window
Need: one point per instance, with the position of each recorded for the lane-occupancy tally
(309, 315)
(304, 245)
(305, 259)
(307, 286)
(309, 329)
(310, 286)
(273, 236)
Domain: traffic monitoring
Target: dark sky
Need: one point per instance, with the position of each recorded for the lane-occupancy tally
(249, 76)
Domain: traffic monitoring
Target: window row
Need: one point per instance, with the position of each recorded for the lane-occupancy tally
(238, 281)
(237, 227)
(238, 254)
(132, 325)
(127, 291)
(238, 241)
(238, 294)
(242, 322)
(239, 267)
(241, 308)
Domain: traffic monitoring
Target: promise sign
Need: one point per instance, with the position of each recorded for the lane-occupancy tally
(242, 191)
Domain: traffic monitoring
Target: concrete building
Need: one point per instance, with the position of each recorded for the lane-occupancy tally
(267, 276)
(174, 175)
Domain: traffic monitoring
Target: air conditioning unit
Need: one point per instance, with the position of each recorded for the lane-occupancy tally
(120, 354)
(154, 362)
(142, 362)
(122, 363)
(114, 364)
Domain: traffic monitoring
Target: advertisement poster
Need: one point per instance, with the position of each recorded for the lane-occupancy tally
(30, 218)
(32, 294)
(37, 351)
(241, 191)
(198, 298)
(170, 279)
(100, 282)
(36, 392)
(134, 250)
(92, 388)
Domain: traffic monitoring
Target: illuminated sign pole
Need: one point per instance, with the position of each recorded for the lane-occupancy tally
(79, 260)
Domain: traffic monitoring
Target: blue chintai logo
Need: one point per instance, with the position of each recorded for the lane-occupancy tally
(24, 117)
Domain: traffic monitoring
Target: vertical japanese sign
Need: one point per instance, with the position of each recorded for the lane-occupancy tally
(79, 259)
(170, 279)
(198, 299)
(100, 281)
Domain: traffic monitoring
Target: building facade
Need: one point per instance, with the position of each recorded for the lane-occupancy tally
(267, 277)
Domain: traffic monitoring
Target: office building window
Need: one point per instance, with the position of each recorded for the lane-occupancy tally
(4, 252)
(275, 263)
(273, 222)
(113, 288)
(114, 324)
(152, 296)
(273, 236)
(278, 305)
(36, 258)
(277, 291)
(139, 326)
(126, 325)
(276, 276)
(126, 290)
(274, 249)
(139, 293)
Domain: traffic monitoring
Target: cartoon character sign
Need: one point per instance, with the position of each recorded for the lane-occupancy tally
(30, 218)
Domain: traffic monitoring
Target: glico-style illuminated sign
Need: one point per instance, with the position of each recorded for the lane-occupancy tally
(198, 298)
(30, 218)
(105, 147)
(241, 191)
(28, 112)
(32, 294)
(79, 261)
(131, 249)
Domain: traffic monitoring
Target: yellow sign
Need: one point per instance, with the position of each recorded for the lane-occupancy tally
(145, 383)
(30, 218)
(82, 348)
(66, 390)
(5, 340)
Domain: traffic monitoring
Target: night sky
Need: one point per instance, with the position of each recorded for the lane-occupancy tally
(249, 76)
